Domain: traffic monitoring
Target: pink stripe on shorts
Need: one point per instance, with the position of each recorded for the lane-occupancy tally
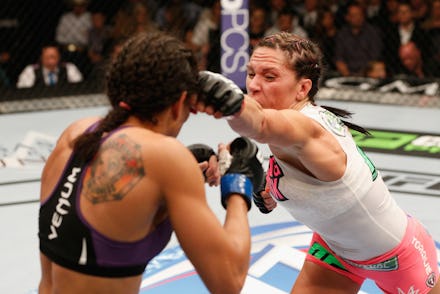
(411, 267)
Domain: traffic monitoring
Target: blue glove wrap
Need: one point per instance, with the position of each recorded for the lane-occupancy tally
(236, 183)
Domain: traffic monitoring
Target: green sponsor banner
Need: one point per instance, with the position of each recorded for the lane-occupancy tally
(397, 142)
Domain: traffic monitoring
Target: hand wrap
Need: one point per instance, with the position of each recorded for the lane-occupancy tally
(220, 93)
(245, 174)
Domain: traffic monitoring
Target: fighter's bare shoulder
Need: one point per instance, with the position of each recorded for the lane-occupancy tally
(155, 145)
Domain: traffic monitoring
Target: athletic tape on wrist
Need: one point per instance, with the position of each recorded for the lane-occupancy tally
(236, 184)
(224, 161)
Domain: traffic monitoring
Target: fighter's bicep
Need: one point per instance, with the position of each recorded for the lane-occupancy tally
(188, 209)
(287, 128)
(180, 180)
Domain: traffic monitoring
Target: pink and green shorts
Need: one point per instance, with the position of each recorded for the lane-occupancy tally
(411, 267)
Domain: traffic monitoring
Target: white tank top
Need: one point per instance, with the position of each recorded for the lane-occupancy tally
(355, 215)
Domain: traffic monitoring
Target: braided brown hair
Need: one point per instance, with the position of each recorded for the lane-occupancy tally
(148, 75)
(305, 58)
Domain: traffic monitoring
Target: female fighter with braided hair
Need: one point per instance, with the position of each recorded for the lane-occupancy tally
(115, 188)
(321, 177)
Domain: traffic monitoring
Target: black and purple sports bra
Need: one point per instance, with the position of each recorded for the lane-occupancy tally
(70, 241)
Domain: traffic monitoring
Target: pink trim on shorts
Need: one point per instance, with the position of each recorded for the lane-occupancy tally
(416, 267)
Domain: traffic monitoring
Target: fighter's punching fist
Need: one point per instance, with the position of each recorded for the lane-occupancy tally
(220, 93)
(245, 172)
(201, 152)
(207, 159)
(262, 198)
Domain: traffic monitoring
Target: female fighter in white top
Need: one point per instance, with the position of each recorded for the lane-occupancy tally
(321, 177)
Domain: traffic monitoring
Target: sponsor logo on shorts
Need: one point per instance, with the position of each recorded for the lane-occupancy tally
(411, 290)
(419, 247)
(384, 266)
(321, 253)
(430, 281)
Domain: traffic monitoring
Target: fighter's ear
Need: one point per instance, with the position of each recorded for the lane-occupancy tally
(304, 86)
(179, 104)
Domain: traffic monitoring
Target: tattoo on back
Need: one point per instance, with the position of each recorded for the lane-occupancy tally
(116, 169)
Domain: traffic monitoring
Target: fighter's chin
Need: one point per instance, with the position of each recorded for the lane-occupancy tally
(253, 96)
(256, 98)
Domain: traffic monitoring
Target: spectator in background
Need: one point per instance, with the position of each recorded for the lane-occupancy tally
(258, 24)
(275, 8)
(190, 12)
(433, 20)
(376, 69)
(99, 47)
(357, 43)
(97, 78)
(373, 8)
(50, 71)
(432, 26)
(206, 30)
(308, 15)
(406, 30)
(324, 34)
(187, 39)
(72, 33)
(99, 38)
(116, 48)
(376, 12)
(15, 37)
(152, 5)
(285, 23)
(126, 7)
(413, 64)
(132, 19)
(420, 9)
(391, 13)
(173, 21)
(5, 80)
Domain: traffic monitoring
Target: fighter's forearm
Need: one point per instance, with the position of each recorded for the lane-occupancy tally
(249, 121)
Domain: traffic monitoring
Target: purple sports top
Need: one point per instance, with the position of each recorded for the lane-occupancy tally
(70, 241)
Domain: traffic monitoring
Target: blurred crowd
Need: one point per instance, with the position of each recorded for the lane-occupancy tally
(47, 43)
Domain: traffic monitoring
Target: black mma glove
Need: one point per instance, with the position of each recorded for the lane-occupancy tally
(201, 152)
(258, 199)
(220, 93)
(245, 174)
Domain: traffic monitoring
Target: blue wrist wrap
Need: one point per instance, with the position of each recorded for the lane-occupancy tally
(236, 183)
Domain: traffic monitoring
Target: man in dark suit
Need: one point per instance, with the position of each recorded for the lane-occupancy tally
(50, 71)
